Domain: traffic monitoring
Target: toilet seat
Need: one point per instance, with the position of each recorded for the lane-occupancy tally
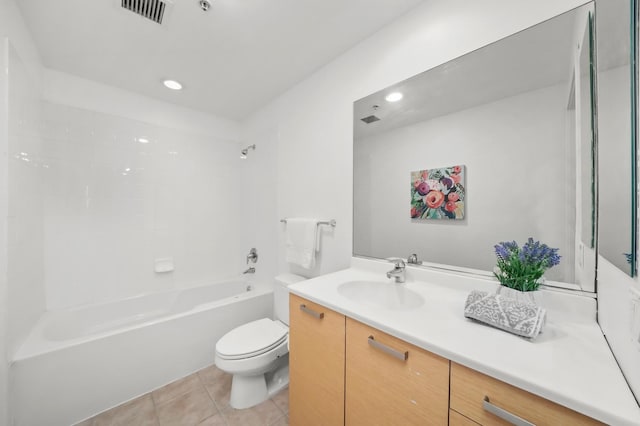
(252, 339)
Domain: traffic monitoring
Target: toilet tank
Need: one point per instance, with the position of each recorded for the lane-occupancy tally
(281, 295)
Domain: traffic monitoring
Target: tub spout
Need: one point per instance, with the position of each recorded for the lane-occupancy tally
(251, 270)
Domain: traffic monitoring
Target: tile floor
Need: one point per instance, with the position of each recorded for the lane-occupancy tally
(199, 399)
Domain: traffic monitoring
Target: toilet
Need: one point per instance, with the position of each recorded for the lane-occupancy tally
(257, 353)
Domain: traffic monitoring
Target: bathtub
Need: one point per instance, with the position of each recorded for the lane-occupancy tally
(79, 362)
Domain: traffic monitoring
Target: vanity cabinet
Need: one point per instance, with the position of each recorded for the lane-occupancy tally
(474, 395)
(344, 372)
(389, 381)
(316, 364)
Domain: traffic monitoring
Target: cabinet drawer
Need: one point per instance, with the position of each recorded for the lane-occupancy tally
(391, 382)
(457, 419)
(469, 389)
(316, 364)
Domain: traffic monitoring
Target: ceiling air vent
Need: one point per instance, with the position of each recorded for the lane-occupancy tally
(150, 9)
(370, 119)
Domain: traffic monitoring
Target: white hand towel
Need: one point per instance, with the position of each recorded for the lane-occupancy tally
(301, 242)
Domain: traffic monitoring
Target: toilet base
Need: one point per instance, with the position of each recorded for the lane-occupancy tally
(247, 391)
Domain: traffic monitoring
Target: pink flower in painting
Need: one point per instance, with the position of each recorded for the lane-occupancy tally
(453, 197)
(456, 178)
(450, 206)
(414, 212)
(434, 199)
(423, 188)
(416, 183)
(457, 169)
(425, 174)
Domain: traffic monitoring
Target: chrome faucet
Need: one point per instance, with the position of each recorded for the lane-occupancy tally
(251, 270)
(398, 271)
(413, 260)
(252, 256)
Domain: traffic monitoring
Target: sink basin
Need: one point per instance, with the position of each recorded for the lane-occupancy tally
(381, 294)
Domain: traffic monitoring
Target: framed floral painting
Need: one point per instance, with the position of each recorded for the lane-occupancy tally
(438, 193)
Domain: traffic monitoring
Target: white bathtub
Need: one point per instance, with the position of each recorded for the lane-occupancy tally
(81, 361)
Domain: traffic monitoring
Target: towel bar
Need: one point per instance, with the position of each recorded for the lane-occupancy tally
(331, 222)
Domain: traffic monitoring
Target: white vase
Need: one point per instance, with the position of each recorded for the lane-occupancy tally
(531, 297)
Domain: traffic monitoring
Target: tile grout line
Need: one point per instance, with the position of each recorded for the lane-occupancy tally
(155, 408)
(215, 403)
(278, 419)
(212, 399)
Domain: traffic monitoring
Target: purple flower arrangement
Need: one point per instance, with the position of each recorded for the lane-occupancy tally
(521, 268)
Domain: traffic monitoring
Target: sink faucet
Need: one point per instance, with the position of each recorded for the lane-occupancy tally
(398, 271)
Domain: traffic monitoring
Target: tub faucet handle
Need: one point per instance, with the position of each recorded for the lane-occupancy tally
(252, 256)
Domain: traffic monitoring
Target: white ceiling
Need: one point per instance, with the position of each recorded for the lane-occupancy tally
(232, 60)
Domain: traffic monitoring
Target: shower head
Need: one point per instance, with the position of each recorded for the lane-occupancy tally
(205, 5)
(244, 152)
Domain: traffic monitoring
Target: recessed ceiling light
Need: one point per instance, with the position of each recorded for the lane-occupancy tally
(172, 84)
(143, 140)
(393, 97)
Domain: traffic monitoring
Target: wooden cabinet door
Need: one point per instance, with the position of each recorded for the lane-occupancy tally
(316, 364)
(457, 419)
(391, 382)
(469, 388)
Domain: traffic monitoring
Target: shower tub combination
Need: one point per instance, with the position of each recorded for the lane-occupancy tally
(81, 361)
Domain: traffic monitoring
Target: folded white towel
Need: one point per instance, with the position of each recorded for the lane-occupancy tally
(301, 242)
(519, 318)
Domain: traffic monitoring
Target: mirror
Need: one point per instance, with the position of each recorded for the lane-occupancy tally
(586, 136)
(503, 122)
(616, 132)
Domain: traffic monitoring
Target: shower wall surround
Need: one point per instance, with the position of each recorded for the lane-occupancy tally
(120, 193)
(25, 243)
(23, 54)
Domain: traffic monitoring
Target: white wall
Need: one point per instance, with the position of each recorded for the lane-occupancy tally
(315, 121)
(12, 28)
(615, 318)
(257, 192)
(515, 183)
(314, 118)
(614, 296)
(113, 205)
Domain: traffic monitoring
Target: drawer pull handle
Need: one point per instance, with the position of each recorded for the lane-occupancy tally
(311, 312)
(402, 356)
(504, 414)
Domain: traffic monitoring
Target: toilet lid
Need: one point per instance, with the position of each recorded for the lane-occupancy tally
(252, 339)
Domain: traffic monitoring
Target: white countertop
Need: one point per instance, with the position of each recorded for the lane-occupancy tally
(570, 363)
